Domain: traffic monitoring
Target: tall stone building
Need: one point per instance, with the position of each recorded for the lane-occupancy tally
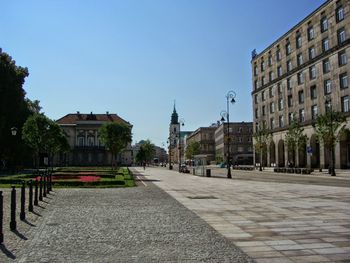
(301, 74)
(206, 139)
(240, 139)
(83, 138)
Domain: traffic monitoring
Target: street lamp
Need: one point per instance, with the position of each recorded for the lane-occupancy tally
(230, 97)
(181, 123)
(331, 169)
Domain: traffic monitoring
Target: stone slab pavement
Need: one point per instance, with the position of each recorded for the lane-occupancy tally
(271, 221)
(139, 224)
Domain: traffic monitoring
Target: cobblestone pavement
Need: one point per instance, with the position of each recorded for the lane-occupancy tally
(140, 224)
(270, 221)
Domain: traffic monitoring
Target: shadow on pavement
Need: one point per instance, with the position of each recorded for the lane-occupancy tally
(19, 235)
(7, 252)
(28, 223)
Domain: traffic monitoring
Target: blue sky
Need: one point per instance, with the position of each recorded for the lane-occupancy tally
(134, 58)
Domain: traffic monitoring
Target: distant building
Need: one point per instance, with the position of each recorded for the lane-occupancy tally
(240, 138)
(301, 75)
(205, 136)
(86, 148)
(160, 153)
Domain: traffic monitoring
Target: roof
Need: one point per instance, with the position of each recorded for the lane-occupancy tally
(73, 118)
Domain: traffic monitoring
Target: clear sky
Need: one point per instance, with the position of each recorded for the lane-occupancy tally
(134, 58)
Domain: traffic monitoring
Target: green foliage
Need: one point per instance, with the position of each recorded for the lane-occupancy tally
(13, 106)
(44, 135)
(193, 148)
(115, 137)
(146, 152)
(330, 127)
(295, 138)
(262, 138)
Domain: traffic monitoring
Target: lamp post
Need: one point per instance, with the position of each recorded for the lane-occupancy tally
(331, 169)
(181, 123)
(230, 97)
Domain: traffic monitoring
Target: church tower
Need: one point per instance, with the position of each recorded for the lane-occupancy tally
(174, 129)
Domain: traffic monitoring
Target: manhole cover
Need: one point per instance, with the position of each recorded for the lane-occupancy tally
(202, 197)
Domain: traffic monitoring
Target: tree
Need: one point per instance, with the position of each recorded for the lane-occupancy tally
(115, 137)
(193, 148)
(329, 128)
(262, 137)
(295, 138)
(146, 152)
(13, 107)
(43, 135)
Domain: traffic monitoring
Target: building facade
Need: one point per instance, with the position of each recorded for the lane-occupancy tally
(238, 136)
(205, 136)
(301, 75)
(86, 148)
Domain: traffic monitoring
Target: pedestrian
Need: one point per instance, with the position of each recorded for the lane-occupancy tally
(144, 165)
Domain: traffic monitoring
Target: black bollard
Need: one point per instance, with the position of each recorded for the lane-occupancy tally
(50, 178)
(22, 214)
(1, 217)
(30, 205)
(41, 188)
(45, 185)
(13, 224)
(36, 192)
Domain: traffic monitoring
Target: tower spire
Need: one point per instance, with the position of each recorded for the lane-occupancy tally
(174, 116)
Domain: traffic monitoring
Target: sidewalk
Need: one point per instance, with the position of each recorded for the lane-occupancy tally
(270, 221)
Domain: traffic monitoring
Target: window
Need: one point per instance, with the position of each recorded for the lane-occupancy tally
(281, 121)
(280, 104)
(272, 123)
(255, 70)
(263, 96)
(278, 55)
(270, 60)
(256, 98)
(80, 141)
(262, 81)
(289, 83)
(240, 149)
(327, 86)
(313, 93)
(272, 107)
(314, 112)
(271, 76)
(279, 88)
(262, 65)
(342, 58)
(325, 44)
(339, 14)
(298, 41)
(326, 66)
(271, 92)
(345, 104)
(341, 36)
(289, 65)
(279, 71)
(91, 141)
(290, 101)
(300, 59)
(312, 72)
(288, 48)
(324, 24)
(301, 96)
(343, 80)
(290, 117)
(312, 52)
(255, 84)
(310, 33)
(240, 139)
(300, 76)
(256, 113)
(301, 115)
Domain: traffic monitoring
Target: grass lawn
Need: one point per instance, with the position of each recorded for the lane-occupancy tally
(95, 177)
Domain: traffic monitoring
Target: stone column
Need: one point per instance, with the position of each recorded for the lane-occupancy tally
(285, 154)
(337, 155)
(322, 162)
